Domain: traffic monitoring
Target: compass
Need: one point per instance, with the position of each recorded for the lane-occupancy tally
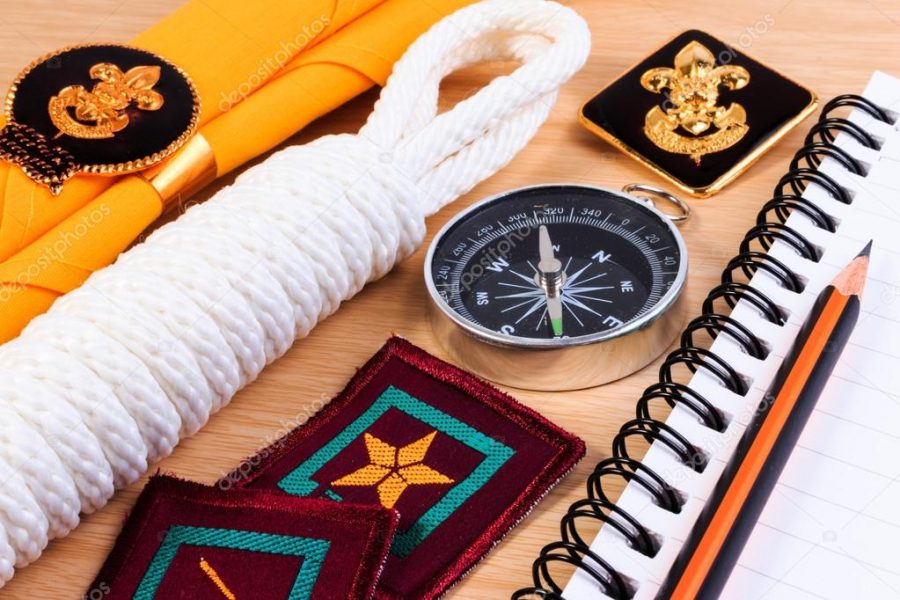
(558, 287)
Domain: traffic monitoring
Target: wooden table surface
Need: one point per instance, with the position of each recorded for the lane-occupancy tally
(830, 45)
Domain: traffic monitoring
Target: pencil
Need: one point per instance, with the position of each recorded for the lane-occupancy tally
(714, 545)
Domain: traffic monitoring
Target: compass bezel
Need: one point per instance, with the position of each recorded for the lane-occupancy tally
(483, 334)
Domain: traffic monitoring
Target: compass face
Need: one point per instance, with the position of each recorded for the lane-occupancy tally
(556, 264)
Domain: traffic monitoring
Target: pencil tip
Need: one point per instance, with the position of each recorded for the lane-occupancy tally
(852, 279)
(867, 250)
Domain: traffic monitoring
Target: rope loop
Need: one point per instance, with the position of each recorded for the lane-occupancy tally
(147, 349)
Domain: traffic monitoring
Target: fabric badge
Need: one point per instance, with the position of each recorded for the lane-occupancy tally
(461, 462)
(190, 541)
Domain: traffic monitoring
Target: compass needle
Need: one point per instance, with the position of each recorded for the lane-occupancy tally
(550, 277)
(545, 246)
(554, 306)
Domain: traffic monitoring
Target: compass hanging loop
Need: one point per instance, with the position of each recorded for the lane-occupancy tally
(649, 195)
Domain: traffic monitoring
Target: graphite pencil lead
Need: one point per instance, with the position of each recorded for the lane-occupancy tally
(852, 279)
(867, 250)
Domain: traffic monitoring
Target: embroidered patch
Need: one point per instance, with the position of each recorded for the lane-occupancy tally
(461, 462)
(185, 540)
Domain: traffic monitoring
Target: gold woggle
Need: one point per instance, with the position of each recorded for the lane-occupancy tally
(100, 113)
(187, 172)
(693, 104)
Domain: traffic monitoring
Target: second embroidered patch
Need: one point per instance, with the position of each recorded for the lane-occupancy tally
(459, 460)
(186, 540)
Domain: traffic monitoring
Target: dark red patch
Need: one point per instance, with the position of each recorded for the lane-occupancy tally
(255, 542)
(502, 457)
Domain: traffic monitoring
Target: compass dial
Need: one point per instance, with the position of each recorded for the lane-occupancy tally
(556, 263)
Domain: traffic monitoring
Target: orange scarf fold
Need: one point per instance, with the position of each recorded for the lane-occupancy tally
(264, 70)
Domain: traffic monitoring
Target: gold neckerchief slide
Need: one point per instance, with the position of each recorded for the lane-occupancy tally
(104, 109)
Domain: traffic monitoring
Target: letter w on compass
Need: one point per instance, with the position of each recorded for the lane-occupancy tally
(693, 104)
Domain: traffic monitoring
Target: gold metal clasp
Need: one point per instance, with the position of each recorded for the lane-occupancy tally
(107, 113)
(187, 172)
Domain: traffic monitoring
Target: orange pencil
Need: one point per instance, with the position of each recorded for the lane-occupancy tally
(715, 543)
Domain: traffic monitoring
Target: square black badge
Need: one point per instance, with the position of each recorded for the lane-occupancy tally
(698, 112)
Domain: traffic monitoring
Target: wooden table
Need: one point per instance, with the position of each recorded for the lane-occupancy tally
(830, 45)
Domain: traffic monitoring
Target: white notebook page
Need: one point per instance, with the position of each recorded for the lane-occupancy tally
(832, 526)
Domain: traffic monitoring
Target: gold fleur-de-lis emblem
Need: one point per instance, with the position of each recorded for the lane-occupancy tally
(100, 112)
(391, 470)
(693, 104)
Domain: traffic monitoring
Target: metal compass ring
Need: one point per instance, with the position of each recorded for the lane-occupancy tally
(653, 194)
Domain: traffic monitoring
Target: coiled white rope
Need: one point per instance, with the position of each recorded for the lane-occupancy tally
(118, 371)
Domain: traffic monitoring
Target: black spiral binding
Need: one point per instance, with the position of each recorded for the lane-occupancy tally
(770, 226)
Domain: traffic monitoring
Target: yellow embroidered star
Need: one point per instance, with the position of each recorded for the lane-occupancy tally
(393, 470)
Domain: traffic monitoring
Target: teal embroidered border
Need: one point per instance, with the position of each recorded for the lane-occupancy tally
(299, 482)
(312, 550)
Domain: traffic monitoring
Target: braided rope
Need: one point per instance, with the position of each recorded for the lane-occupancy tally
(118, 371)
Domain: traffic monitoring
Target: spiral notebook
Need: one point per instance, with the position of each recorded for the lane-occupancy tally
(831, 527)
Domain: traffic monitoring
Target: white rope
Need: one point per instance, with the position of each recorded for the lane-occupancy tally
(118, 371)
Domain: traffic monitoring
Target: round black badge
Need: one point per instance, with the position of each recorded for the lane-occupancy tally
(97, 108)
